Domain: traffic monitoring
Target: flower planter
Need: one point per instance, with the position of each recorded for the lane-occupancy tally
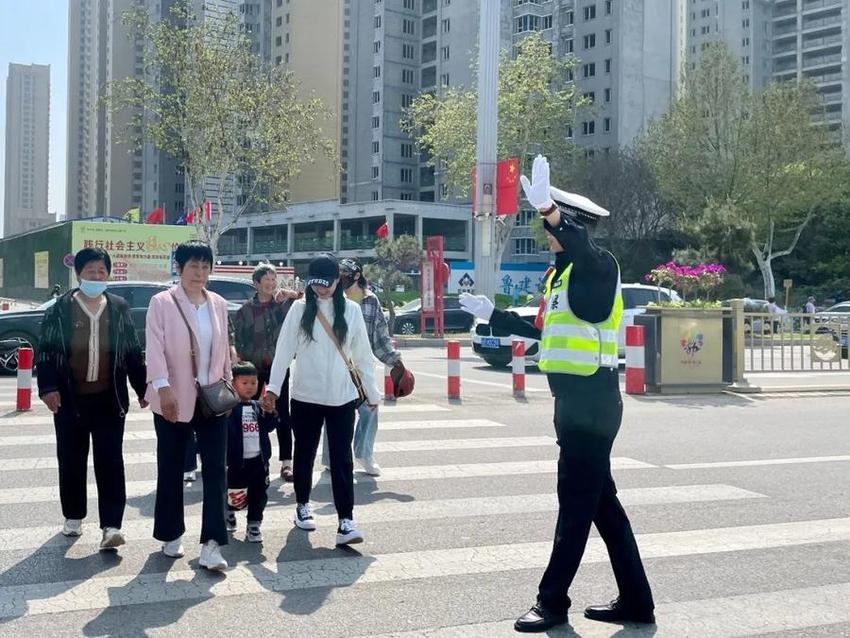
(686, 348)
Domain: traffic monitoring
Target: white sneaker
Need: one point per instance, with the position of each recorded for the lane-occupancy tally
(347, 533)
(189, 477)
(304, 517)
(253, 534)
(211, 557)
(112, 538)
(73, 527)
(230, 521)
(370, 466)
(174, 549)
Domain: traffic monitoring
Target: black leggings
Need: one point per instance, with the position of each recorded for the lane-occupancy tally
(307, 421)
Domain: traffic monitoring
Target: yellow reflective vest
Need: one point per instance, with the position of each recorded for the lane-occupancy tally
(570, 345)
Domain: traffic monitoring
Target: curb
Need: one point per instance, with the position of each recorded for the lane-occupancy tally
(430, 342)
(802, 388)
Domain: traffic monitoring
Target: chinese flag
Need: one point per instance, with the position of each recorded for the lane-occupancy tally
(507, 186)
(156, 216)
(383, 231)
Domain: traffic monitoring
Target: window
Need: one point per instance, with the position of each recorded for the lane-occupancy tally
(376, 121)
(606, 125)
(588, 128)
(376, 97)
(406, 175)
(407, 150)
(407, 51)
(590, 41)
(376, 171)
(607, 93)
(608, 65)
(590, 96)
(374, 196)
(444, 53)
(745, 5)
(444, 80)
(526, 23)
(376, 46)
(377, 22)
(376, 147)
(446, 25)
(278, 41)
(589, 70)
(407, 26)
(287, 18)
(286, 38)
(406, 100)
(609, 36)
(568, 45)
(746, 23)
(546, 22)
(278, 21)
(409, 5)
(634, 297)
(525, 246)
(745, 42)
(607, 7)
(376, 71)
(407, 196)
(590, 13)
(570, 17)
(407, 76)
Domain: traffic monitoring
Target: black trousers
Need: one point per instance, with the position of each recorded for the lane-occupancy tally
(254, 475)
(307, 420)
(284, 425)
(95, 417)
(171, 442)
(586, 426)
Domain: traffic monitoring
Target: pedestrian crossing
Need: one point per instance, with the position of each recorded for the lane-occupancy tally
(426, 451)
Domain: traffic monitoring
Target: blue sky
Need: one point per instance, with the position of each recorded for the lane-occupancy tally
(36, 31)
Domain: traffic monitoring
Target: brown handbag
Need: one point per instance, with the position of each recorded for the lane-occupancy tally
(355, 375)
(215, 399)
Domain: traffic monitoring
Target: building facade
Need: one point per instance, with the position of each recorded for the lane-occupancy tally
(27, 148)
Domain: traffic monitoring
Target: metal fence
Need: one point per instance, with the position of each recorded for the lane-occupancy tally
(796, 342)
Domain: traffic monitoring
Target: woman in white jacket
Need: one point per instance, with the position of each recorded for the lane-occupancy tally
(322, 391)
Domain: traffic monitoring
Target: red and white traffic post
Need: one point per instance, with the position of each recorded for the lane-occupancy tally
(635, 360)
(389, 387)
(25, 360)
(518, 365)
(453, 350)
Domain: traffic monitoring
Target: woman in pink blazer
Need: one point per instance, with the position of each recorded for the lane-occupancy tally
(173, 399)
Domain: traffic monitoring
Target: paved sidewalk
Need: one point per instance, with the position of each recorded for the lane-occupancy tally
(799, 381)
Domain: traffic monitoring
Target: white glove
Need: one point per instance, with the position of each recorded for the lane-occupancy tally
(537, 190)
(477, 305)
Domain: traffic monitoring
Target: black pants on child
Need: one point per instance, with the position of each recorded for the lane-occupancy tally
(307, 420)
(95, 417)
(254, 475)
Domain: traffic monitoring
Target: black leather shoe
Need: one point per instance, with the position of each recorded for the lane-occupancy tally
(616, 612)
(539, 619)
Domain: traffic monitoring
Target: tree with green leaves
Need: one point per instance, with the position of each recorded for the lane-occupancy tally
(235, 125)
(741, 168)
(392, 258)
(537, 104)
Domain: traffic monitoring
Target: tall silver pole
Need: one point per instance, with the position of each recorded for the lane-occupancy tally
(486, 260)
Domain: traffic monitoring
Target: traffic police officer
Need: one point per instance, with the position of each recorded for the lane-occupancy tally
(578, 330)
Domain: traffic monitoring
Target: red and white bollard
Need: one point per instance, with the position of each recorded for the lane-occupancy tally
(25, 359)
(518, 365)
(635, 360)
(453, 348)
(389, 387)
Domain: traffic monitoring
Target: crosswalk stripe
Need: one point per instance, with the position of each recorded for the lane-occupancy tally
(140, 458)
(728, 617)
(280, 518)
(150, 434)
(46, 494)
(101, 592)
(759, 462)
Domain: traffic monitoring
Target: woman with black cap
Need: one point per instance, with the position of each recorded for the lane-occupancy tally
(578, 328)
(327, 333)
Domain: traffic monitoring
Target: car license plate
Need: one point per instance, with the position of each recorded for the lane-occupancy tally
(490, 342)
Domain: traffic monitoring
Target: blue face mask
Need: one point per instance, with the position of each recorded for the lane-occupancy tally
(93, 289)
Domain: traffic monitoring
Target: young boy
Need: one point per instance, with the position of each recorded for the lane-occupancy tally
(248, 452)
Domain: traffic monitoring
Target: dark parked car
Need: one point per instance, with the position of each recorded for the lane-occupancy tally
(408, 317)
(23, 328)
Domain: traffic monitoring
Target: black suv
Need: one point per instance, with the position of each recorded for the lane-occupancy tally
(23, 328)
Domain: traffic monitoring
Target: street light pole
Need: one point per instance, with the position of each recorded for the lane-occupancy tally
(486, 259)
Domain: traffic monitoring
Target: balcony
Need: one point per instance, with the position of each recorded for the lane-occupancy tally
(822, 23)
(832, 98)
(784, 12)
(357, 243)
(782, 50)
(313, 244)
(820, 4)
(270, 246)
(821, 60)
(824, 78)
(786, 29)
(785, 66)
(817, 43)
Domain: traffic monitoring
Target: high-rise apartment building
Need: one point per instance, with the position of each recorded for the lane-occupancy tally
(27, 142)
(104, 175)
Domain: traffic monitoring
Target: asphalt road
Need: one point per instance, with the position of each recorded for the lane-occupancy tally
(740, 503)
